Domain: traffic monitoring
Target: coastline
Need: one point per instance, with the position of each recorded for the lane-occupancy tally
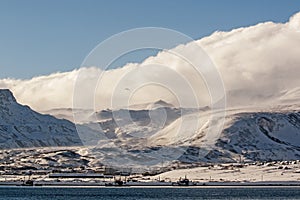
(157, 184)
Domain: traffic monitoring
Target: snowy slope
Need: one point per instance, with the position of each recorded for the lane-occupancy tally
(248, 135)
(261, 136)
(159, 135)
(22, 127)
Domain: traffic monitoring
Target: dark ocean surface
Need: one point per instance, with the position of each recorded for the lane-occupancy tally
(69, 193)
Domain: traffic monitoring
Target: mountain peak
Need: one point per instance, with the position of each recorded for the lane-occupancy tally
(20, 126)
(161, 103)
(6, 96)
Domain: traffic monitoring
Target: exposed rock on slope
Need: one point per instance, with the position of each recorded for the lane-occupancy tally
(22, 127)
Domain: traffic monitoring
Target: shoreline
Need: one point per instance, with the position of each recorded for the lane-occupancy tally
(155, 184)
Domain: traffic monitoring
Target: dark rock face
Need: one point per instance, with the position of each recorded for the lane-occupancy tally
(6, 96)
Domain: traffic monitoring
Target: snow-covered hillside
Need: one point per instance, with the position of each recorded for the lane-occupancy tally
(249, 136)
(22, 127)
(159, 135)
(151, 137)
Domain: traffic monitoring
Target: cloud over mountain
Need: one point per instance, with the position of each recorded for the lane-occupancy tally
(258, 64)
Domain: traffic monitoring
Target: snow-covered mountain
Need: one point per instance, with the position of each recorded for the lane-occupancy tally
(22, 127)
(150, 137)
(158, 135)
(251, 136)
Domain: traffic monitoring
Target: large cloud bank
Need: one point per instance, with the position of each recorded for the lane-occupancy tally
(258, 64)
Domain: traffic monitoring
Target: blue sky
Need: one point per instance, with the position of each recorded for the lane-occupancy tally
(39, 37)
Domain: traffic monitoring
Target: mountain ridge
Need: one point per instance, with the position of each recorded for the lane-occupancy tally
(20, 126)
(163, 134)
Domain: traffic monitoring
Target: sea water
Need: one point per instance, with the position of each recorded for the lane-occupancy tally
(47, 193)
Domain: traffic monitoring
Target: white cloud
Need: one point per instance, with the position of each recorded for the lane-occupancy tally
(257, 63)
